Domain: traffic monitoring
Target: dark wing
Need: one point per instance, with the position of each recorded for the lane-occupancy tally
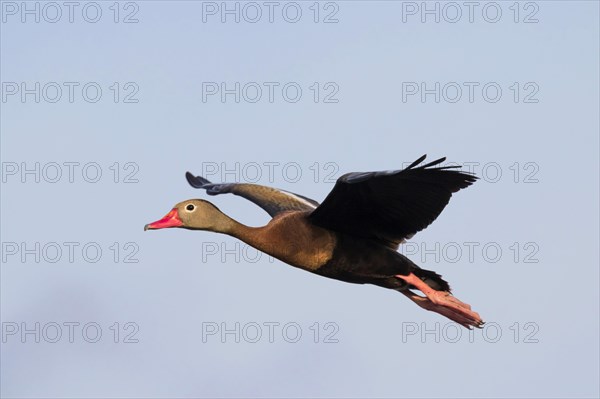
(270, 199)
(390, 206)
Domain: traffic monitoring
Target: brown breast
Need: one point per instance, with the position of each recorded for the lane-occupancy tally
(291, 238)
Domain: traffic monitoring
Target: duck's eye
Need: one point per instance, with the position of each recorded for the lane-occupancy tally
(190, 207)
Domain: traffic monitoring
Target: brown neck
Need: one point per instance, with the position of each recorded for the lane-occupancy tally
(289, 238)
(253, 236)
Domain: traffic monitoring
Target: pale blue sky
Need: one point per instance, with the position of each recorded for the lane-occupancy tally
(178, 286)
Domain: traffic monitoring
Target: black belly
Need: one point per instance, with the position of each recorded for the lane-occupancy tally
(362, 261)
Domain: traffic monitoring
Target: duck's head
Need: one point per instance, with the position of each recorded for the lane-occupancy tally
(193, 214)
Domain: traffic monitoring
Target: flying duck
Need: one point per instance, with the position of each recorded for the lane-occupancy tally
(353, 236)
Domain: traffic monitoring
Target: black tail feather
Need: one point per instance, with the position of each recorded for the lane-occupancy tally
(432, 279)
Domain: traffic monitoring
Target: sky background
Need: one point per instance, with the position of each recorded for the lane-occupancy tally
(521, 245)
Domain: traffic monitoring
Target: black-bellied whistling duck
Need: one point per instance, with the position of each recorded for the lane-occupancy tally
(353, 235)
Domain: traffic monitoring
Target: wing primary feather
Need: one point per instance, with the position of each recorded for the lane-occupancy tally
(418, 161)
(196, 181)
(438, 161)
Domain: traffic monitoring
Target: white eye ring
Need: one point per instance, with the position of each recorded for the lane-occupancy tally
(190, 207)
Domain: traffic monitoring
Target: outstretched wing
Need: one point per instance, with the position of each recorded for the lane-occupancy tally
(390, 206)
(272, 200)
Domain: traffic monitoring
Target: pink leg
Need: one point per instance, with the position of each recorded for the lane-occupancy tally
(441, 302)
(426, 304)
